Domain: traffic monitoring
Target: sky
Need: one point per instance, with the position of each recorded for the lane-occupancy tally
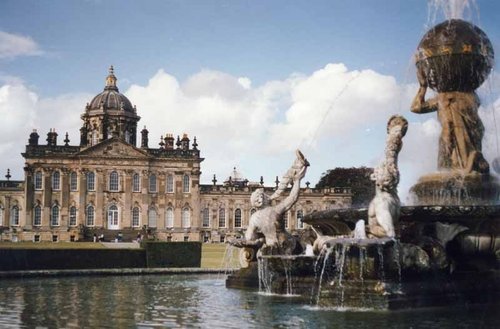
(253, 80)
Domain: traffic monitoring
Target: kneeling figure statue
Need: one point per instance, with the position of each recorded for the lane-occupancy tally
(266, 229)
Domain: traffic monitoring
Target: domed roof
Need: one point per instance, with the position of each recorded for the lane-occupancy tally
(235, 176)
(111, 98)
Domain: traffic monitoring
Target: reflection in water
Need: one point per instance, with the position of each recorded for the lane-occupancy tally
(177, 301)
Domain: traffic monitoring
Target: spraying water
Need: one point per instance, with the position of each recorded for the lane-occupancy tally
(451, 9)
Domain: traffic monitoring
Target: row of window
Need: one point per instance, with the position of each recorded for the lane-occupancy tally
(205, 218)
(114, 182)
(113, 216)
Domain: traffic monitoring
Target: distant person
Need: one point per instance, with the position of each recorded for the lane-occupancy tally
(139, 237)
(95, 238)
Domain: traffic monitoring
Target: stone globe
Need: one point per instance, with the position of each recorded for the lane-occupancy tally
(454, 55)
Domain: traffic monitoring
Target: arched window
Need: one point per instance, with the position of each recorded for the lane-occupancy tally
(237, 217)
(285, 219)
(205, 217)
(222, 217)
(73, 181)
(127, 136)
(114, 181)
(14, 216)
(95, 137)
(90, 216)
(1, 215)
(300, 217)
(185, 184)
(169, 217)
(38, 180)
(37, 216)
(90, 181)
(72, 216)
(56, 180)
(152, 217)
(170, 184)
(186, 218)
(113, 217)
(135, 217)
(136, 183)
(54, 216)
(152, 183)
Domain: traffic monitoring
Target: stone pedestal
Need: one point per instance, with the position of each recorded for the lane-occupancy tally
(452, 188)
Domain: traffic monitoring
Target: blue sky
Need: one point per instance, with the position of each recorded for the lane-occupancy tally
(252, 70)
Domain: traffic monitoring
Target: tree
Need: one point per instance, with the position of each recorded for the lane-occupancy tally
(358, 179)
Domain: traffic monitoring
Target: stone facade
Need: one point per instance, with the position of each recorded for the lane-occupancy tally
(108, 184)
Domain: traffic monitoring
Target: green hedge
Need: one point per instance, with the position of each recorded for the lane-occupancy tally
(152, 254)
(62, 259)
(172, 254)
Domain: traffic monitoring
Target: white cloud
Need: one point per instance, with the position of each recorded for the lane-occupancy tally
(257, 129)
(14, 45)
(336, 116)
(22, 110)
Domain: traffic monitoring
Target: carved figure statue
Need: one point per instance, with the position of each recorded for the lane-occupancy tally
(461, 128)
(266, 228)
(384, 209)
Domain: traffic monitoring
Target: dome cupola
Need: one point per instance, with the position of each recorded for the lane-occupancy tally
(109, 114)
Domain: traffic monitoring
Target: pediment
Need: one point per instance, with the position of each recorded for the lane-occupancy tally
(113, 148)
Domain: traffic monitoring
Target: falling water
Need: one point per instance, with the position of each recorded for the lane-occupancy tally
(381, 262)
(265, 276)
(397, 260)
(451, 9)
(287, 266)
(227, 261)
(325, 262)
(340, 263)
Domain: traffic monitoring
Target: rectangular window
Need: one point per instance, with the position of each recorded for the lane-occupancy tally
(285, 219)
(185, 184)
(170, 184)
(37, 216)
(90, 181)
(237, 218)
(36, 238)
(38, 180)
(169, 218)
(206, 217)
(222, 217)
(136, 183)
(56, 180)
(152, 183)
(152, 218)
(90, 216)
(114, 181)
(73, 181)
(54, 216)
(14, 216)
(72, 216)
(135, 217)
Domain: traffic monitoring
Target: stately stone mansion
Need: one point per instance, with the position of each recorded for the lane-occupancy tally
(109, 184)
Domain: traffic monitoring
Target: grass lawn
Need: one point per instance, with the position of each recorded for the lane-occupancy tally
(212, 256)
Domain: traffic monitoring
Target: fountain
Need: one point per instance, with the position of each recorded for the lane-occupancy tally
(444, 249)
